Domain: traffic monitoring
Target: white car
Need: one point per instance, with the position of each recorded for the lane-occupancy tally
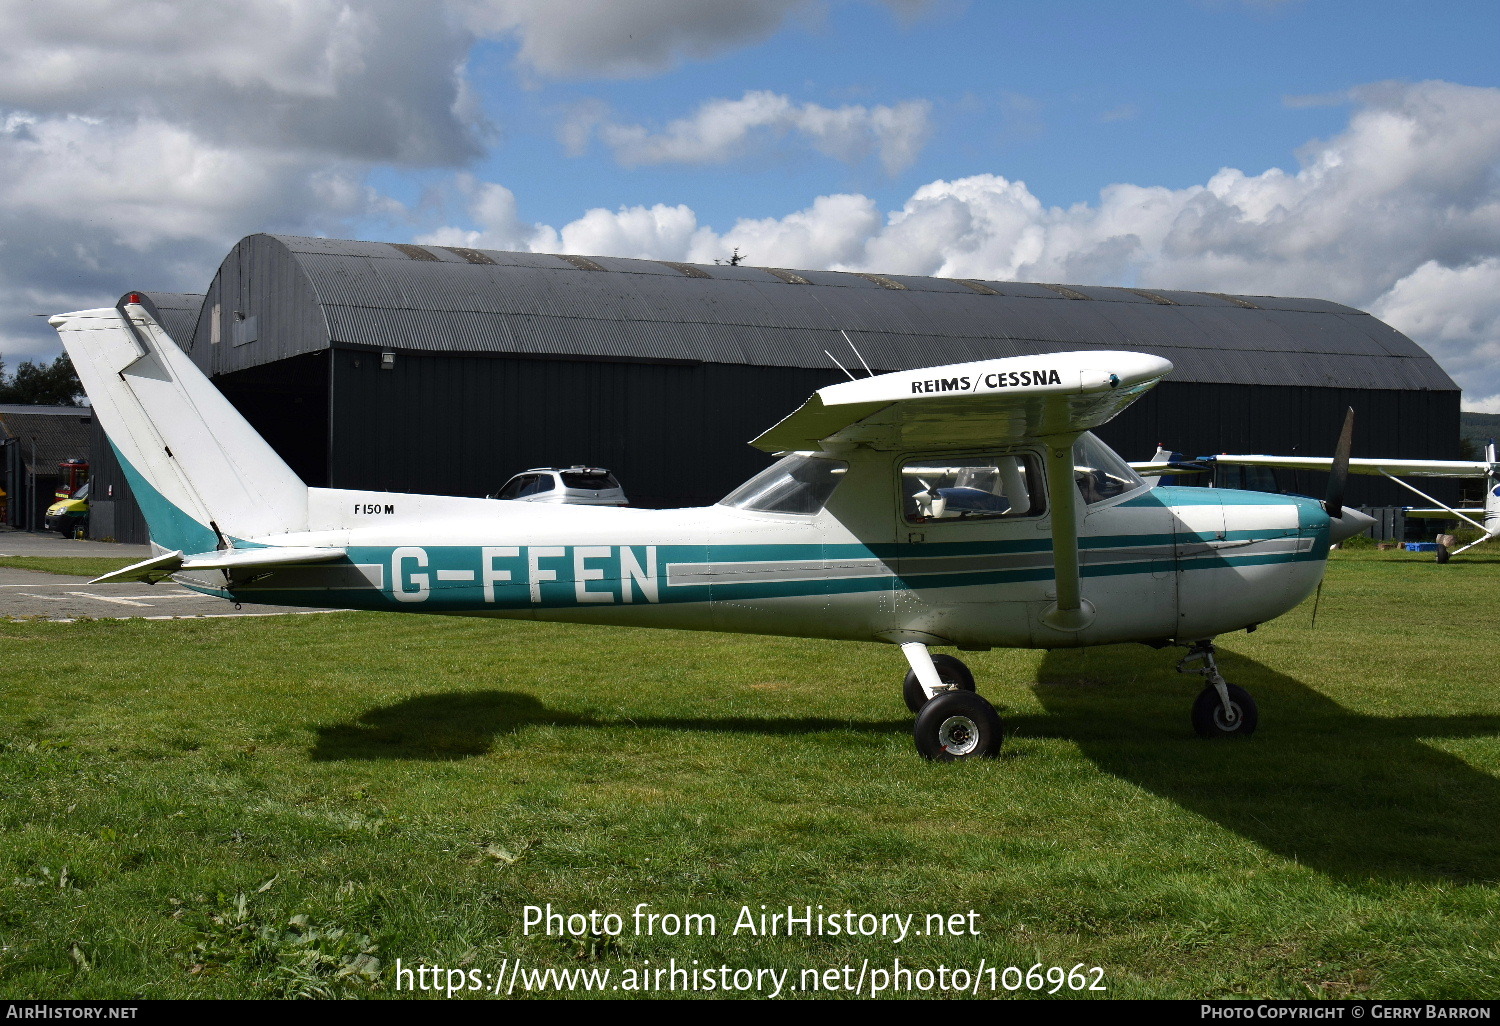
(586, 486)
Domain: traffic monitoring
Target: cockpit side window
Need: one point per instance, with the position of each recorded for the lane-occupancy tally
(940, 488)
(794, 484)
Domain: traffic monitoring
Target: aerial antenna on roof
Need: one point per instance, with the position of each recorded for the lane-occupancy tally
(840, 366)
(856, 351)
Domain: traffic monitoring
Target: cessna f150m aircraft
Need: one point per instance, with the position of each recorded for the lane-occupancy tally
(963, 506)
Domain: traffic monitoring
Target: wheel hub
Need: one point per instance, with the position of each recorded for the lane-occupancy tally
(959, 735)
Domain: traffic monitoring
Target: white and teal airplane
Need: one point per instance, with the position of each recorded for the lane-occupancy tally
(966, 506)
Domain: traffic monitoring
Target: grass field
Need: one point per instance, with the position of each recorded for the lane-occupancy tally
(289, 805)
(80, 566)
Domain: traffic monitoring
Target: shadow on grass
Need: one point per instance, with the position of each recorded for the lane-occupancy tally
(1351, 795)
(461, 724)
(1354, 796)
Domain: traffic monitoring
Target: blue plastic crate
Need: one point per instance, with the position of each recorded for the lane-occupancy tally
(1421, 546)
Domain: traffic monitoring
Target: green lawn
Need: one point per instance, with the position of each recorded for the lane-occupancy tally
(79, 566)
(266, 807)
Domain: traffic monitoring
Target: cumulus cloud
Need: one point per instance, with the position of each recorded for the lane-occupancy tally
(1455, 311)
(376, 80)
(493, 208)
(723, 130)
(139, 139)
(1398, 214)
(626, 38)
(89, 209)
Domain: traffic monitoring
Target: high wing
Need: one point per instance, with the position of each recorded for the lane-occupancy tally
(1051, 398)
(988, 402)
(1394, 468)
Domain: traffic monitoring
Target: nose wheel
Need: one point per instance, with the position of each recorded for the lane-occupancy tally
(953, 722)
(1221, 709)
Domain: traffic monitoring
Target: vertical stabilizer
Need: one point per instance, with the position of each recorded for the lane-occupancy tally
(202, 475)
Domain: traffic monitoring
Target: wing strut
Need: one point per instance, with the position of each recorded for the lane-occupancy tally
(1072, 612)
(1410, 487)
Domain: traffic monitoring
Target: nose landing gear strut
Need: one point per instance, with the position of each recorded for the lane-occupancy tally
(1221, 709)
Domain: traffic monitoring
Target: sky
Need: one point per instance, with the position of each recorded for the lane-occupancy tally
(1342, 149)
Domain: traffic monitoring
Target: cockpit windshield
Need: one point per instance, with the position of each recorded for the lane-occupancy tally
(1100, 472)
(793, 484)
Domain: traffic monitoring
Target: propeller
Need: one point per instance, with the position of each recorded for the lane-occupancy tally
(1333, 504)
(1338, 475)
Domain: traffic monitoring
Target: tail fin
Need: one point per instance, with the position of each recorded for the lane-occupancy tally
(203, 477)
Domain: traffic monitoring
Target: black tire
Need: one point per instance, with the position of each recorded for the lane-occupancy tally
(958, 725)
(1443, 553)
(1208, 713)
(950, 671)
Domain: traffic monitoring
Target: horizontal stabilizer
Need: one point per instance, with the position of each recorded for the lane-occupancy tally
(148, 570)
(158, 567)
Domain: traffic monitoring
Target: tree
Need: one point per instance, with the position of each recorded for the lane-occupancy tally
(42, 384)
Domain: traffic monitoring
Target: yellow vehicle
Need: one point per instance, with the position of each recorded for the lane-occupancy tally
(69, 515)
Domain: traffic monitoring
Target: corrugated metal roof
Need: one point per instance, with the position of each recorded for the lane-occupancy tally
(493, 301)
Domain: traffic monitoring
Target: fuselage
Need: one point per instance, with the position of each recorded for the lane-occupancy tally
(1158, 564)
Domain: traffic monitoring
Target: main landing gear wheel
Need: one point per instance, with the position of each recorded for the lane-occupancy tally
(957, 725)
(953, 673)
(1211, 719)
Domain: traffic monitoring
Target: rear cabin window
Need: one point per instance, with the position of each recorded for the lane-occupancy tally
(942, 488)
(793, 484)
(589, 482)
